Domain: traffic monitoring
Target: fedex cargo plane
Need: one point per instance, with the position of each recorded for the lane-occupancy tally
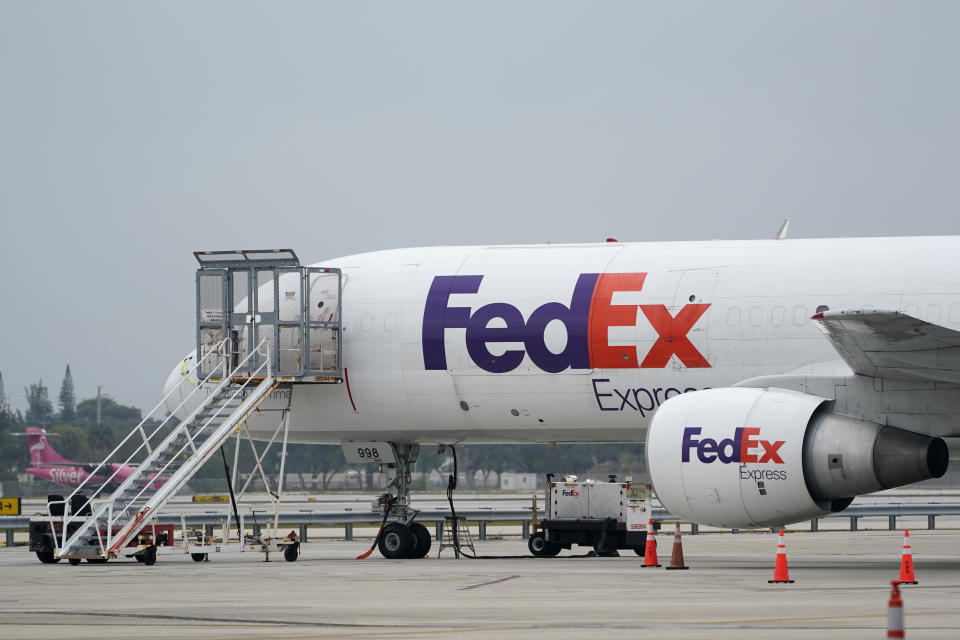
(773, 381)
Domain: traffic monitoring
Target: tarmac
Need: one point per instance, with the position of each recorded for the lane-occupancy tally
(841, 591)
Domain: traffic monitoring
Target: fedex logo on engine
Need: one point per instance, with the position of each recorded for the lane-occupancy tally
(587, 320)
(742, 447)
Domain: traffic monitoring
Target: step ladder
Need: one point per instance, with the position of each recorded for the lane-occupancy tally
(463, 535)
(134, 492)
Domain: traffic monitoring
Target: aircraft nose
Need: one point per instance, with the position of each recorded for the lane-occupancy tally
(180, 382)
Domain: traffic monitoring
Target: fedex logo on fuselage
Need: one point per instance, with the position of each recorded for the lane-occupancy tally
(740, 448)
(587, 320)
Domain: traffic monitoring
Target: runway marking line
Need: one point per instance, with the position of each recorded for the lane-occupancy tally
(484, 584)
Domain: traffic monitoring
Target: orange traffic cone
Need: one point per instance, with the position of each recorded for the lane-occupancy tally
(895, 613)
(780, 573)
(906, 561)
(676, 558)
(650, 555)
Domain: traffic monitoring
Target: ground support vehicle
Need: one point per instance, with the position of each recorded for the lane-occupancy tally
(606, 516)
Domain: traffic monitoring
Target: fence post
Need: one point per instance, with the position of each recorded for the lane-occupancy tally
(893, 523)
(348, 531)
(931, 522)
(853, 523)
(734, 531)
(10, 541)
(439, 529)
(815, 525)
(526, 530)
(482, 530)
(303, 533)
(694, 528)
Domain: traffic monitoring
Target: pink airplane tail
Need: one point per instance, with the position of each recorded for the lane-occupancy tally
(40, 450)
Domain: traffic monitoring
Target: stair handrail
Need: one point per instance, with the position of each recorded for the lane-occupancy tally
(211, 418)
(173, 483)
(217, 350)
(107, 504)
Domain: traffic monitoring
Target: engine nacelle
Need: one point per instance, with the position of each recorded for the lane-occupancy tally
(744, 457)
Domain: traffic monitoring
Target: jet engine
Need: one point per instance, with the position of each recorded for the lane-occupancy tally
(744, 457)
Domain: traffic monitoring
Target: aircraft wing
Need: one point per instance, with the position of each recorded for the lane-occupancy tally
(893, 345)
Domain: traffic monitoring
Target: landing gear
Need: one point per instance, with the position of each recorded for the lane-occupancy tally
(423, 540)
(396, 541)
(401, 536)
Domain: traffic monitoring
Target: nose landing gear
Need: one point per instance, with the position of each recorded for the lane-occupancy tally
(401, 537)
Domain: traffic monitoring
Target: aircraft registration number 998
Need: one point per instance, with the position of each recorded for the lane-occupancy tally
(368, 452)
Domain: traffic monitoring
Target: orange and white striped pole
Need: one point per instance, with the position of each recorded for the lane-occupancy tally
(895, 613)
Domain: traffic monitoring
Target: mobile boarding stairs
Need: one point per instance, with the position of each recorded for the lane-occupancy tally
(264, 323)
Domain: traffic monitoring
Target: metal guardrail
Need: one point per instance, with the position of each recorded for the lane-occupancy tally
(348, 519)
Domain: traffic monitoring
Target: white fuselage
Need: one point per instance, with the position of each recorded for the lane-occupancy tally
(614, 345)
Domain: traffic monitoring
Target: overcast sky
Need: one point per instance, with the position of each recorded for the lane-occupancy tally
(132, 134)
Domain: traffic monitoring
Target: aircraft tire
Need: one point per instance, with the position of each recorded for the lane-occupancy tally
(73, 561)
(291, 552)
(396, 541)
(47, 557)
(423, 540)
(196, 557)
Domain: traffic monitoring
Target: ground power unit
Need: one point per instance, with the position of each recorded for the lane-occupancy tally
(606, 516)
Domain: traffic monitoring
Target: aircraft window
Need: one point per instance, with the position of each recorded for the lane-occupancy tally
(733, 316)
(390, 322)
(799, 315)
(366, 322)
(777, 316)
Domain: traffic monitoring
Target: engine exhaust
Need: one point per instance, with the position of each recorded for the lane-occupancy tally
(844, 457)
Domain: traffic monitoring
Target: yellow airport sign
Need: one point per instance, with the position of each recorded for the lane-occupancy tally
(211, 498)
(9, 506)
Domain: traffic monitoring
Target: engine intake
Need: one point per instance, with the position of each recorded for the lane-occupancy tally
(738, 457)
